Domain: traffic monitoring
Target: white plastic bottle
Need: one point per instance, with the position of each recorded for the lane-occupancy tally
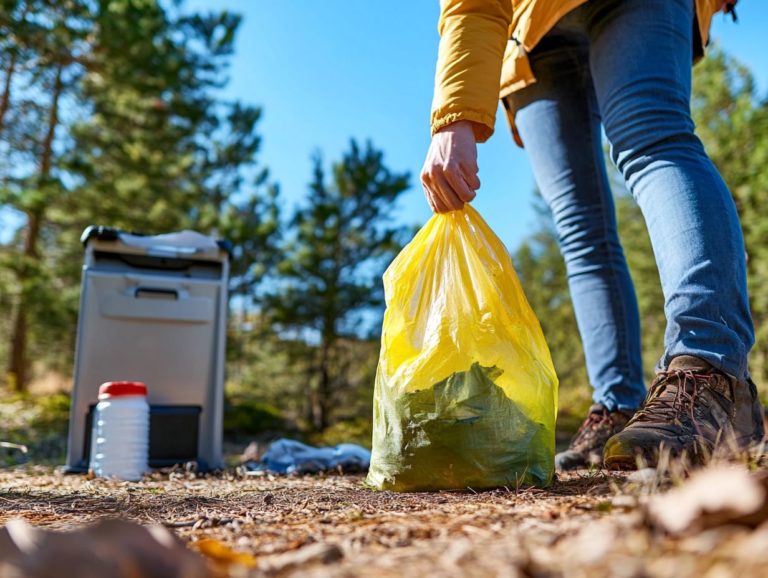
(120, 435)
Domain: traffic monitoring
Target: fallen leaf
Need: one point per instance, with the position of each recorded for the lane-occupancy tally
(223, 554)
(592, 543)
(314, 553)
(108, 549)
(710, 498)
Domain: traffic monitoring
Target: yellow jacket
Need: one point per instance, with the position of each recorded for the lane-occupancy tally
(483, 54)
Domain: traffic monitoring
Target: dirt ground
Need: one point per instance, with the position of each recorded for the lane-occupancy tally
(586, 524)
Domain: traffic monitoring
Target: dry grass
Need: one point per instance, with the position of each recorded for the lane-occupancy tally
(586, 524)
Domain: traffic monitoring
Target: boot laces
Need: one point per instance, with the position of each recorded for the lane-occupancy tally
(589, 427)
(671, 408)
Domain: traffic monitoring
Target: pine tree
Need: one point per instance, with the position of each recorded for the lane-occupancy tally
(145, 145)
(330, 280)
(47, 43)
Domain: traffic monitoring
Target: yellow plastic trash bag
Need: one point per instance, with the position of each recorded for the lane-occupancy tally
(466, 394)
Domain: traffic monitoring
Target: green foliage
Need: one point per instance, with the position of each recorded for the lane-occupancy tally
(46, 43)
(460, 432)
(246, 417)
(260, 364)
(274, 370)
(343, 240)
(112, 118)
(358, 430)
(38, 422)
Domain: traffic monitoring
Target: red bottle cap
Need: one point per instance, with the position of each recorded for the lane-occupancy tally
(121, 389)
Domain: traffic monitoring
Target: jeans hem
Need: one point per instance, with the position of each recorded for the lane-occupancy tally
(739, 371)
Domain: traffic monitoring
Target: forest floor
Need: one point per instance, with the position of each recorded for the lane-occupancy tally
(587, 524)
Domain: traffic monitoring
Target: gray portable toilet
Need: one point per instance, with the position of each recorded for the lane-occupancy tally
(153, 309)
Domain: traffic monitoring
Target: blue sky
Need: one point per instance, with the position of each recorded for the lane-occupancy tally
(328, 70)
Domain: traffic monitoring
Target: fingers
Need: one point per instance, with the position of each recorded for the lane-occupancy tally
(440, 194)
(448, 190)
(470, 176)
(433, 195)
(435, 202)
(430, 202)
(439, 205)
(469, 170)
(449, 195)
(459, 186)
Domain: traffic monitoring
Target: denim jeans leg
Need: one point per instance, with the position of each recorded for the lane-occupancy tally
(559, 124)
(640, 57)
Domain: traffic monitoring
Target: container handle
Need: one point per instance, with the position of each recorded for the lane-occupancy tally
(156, 293)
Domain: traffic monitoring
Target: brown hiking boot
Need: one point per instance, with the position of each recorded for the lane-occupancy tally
(690, 409)
(586, 447)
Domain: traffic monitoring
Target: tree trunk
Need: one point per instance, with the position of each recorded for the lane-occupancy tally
(322, 399)
(5, 100)
(17, 369)
(310, 400)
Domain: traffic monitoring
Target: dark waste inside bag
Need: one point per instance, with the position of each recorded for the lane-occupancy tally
(466, 393)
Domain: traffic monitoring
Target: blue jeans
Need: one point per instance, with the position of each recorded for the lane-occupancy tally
(627, 64)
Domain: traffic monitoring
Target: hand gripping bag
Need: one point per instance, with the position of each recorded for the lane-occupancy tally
(466, 394)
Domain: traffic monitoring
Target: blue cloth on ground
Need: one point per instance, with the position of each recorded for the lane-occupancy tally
(286, 456)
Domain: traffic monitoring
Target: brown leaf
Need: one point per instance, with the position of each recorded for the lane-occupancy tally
(223, 554)
(109, 549)
(710, 498)
(314, 553)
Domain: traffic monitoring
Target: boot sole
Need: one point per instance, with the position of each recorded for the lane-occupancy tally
(622, 463)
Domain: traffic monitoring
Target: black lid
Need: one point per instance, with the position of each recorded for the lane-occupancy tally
(102, 233)
(225, 245)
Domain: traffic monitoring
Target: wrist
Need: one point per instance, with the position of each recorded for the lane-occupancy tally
(464, 127)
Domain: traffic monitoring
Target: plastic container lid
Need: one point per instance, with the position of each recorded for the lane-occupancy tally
(122, 389)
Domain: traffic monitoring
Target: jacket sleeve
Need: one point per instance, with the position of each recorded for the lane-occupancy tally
(473, 35)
